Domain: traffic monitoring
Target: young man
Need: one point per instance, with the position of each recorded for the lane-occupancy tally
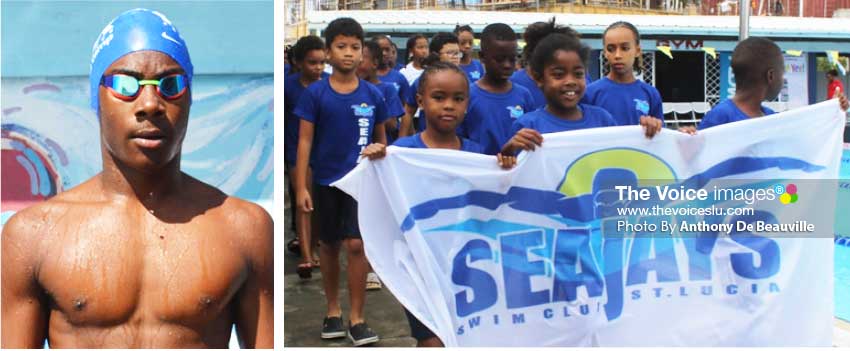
(340, 116)
(141, 255)
(495, 102)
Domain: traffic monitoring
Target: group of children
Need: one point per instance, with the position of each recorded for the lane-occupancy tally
(484, 106)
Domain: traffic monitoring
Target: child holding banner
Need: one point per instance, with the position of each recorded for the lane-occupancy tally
(759, 69)
(557, 64)
(627, 99)
(340, 116)
(495, 102)
(533, 34)
(444, 95)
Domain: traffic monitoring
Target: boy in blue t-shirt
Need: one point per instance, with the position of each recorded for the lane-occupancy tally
(308, 55)
(495, 103)
(368, 71)
(340, 116)
(759, 68)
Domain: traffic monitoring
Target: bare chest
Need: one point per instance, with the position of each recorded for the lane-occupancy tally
(107, 272)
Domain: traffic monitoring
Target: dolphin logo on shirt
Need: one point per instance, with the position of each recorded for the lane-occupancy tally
(395, 85)
(516, 111)
(363, 110)
(475, 75)
(642, 106)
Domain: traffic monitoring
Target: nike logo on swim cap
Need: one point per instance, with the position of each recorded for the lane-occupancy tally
(164, 35)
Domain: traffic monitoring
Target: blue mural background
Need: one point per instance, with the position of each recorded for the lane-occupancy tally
(229, 142)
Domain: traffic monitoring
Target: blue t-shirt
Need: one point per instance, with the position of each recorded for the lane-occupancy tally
(285, 69)
(415, 141)
(726, 112)
(292, 90)
(544, 122)
(344, 125)
(474, 70)
(522, 78)
(398, 66)
(625, 102)
(394, 107)
(398, 82)
(489, 116)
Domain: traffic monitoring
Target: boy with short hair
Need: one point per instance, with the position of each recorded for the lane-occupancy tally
(759, 70)
(340, 116)
(495, 102)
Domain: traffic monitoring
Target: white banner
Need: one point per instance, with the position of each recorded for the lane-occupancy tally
(543, 254)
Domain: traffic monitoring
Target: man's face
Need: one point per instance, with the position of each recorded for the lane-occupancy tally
(147, 132)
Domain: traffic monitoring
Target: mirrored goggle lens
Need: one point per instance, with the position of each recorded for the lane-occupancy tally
(172, 86)
(124, 85)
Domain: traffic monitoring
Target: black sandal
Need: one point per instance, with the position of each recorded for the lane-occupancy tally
(305, 270)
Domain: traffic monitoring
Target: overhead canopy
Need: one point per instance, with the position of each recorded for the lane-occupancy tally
(394, 21)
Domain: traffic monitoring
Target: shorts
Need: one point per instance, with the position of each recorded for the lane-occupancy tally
(418, 330)
(337, 213)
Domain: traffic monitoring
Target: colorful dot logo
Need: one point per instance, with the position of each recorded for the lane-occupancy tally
(788, 193)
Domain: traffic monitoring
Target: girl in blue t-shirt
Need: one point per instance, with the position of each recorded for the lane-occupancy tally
(473, 68)
(533, 34)
(620, 93)
(558, 64)
(443, 95)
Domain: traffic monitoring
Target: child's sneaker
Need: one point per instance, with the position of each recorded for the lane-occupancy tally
(332, 328)
(360, 334)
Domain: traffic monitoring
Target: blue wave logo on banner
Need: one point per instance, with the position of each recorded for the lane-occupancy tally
(585, 249)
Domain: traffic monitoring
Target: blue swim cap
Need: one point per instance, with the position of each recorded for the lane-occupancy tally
(131, 31)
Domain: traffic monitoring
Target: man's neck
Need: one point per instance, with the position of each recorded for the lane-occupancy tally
(148, 188)
(494, 85)
(384, 71)
(749, 102)
(466, 59)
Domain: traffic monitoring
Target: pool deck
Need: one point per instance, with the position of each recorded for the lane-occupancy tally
(841, 334)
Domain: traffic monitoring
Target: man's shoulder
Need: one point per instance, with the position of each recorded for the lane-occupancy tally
(29, 219)
(248, 221)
